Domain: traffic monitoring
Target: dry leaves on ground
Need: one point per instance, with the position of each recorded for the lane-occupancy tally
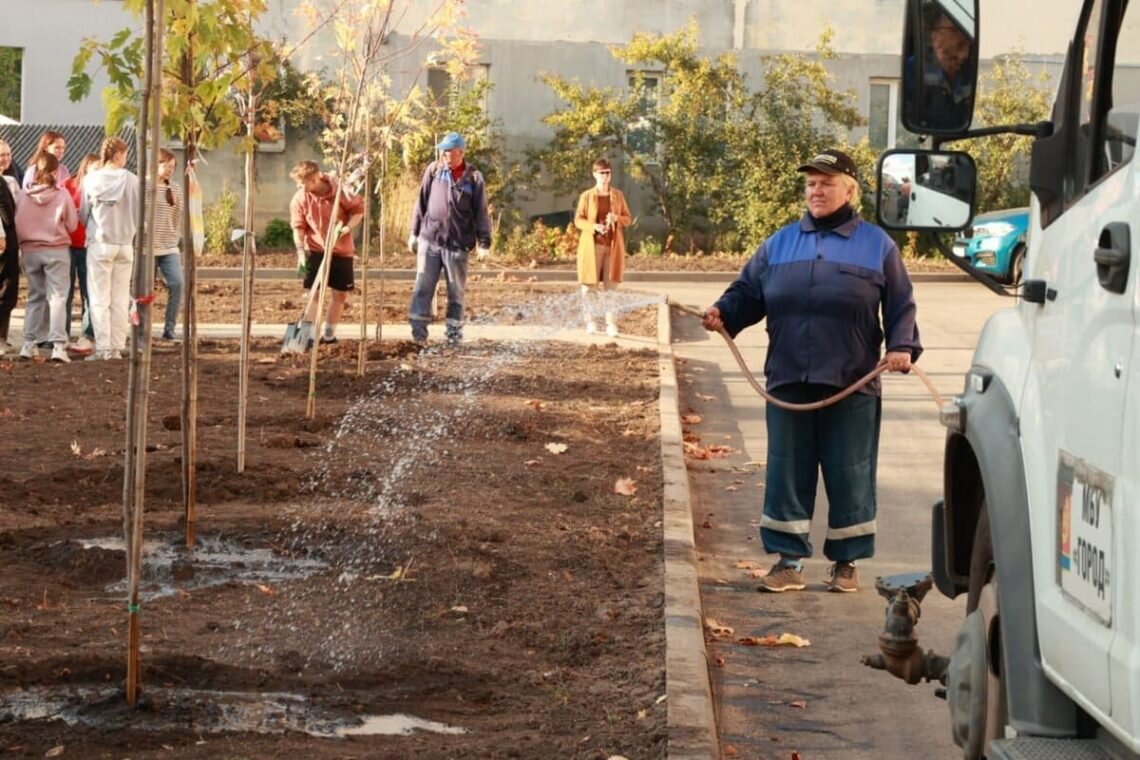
(625, 486)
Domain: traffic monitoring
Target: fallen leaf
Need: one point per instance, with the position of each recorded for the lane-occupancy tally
(536, 404)
(706, 524)
(75, 449)
(719, 661)
(625, 486)
(743, 564)
(460, 609)
(729, 751)
(642, 713)
(556, 448)
(731, 488)
(54, 751)
(530, 462)
(661, 699)
(716, 630)
(690, 419)
(703, 397)
(799, 703)
(783, 640)
(268, 591)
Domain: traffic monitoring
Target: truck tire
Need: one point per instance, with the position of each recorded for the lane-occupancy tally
(983, 597)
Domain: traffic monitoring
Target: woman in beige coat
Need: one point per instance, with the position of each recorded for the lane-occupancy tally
(602, 217)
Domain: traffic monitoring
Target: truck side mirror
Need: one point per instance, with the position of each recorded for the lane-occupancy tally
(925, 190)
(939, 66)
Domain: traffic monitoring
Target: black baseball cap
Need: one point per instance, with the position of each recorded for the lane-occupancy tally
(831, 161)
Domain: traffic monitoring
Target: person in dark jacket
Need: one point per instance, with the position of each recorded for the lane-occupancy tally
(9, 262)
(821, 284)
(450, 219)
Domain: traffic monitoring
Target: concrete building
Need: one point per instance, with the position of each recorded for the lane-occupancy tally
(519, 39)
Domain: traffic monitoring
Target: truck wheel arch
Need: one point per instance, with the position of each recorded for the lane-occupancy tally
(985, 470)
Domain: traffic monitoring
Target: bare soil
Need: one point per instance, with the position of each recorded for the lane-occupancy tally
(425, 546)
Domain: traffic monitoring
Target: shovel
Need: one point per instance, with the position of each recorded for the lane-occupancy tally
(299, 335)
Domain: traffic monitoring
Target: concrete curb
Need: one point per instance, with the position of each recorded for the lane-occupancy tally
(691, 717)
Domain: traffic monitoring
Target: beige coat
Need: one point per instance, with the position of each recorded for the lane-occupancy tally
(585, 219)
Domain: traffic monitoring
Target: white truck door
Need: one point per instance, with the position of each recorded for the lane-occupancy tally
(1122, 128)
(1072, 420)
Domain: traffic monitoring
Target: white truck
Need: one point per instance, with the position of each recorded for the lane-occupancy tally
(1040, 514)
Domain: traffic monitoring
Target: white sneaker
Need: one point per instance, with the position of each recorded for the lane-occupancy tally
(591, 328)
(28, 351)
(59, 354)
(611, 330)
(96, 356)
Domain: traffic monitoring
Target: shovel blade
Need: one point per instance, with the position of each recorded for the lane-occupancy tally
(296, 339)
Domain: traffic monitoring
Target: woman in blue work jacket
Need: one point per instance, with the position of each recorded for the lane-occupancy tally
(822, 283)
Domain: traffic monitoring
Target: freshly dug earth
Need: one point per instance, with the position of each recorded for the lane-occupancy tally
(445, 541)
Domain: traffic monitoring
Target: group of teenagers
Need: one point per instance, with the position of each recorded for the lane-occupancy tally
(72, 233)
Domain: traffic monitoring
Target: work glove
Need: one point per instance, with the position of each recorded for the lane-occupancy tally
(482, 254)
(412, 242)
(301, 256)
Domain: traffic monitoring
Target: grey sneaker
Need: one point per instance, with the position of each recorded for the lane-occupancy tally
(782, 578)
(29, 350)
(842, 577)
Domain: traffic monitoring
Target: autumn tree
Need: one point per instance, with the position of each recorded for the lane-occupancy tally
(1007, 94)
(696, 135)
(795, 114)
(211, 51)
(11, 79)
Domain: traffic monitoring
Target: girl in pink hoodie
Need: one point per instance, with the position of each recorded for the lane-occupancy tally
(44, 222)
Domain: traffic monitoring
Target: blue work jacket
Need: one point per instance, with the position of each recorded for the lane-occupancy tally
(822, 292)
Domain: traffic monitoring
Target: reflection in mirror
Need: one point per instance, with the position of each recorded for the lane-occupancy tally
(940, 66)
(926, 190)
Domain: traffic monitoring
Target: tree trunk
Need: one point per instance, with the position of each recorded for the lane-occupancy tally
(138, 381)
(247, 268)
(189, 336)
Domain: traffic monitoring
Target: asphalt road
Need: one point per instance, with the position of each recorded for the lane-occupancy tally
(819, 700)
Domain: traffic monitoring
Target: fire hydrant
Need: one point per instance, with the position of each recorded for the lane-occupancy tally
(898, 644)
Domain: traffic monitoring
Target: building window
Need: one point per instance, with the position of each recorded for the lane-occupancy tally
(884, 127)
(645, 86)
(11, 82)
(444, 89)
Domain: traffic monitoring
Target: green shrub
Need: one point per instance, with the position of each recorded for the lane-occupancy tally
(218, 220)
(650, 247)
(538, 243)
(278, 235)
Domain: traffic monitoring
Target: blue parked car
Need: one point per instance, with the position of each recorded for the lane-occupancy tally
(996, 243)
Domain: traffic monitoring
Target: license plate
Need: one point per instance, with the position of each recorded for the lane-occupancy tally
(1085, 564)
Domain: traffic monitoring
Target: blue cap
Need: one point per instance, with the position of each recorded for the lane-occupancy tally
(451, 140)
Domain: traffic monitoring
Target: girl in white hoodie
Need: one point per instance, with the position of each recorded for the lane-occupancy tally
(109, 207)
(44, 222)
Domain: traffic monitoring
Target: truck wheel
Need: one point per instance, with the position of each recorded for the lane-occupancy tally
(983, 598)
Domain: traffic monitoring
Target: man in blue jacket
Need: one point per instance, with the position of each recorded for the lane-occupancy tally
(450, 219)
